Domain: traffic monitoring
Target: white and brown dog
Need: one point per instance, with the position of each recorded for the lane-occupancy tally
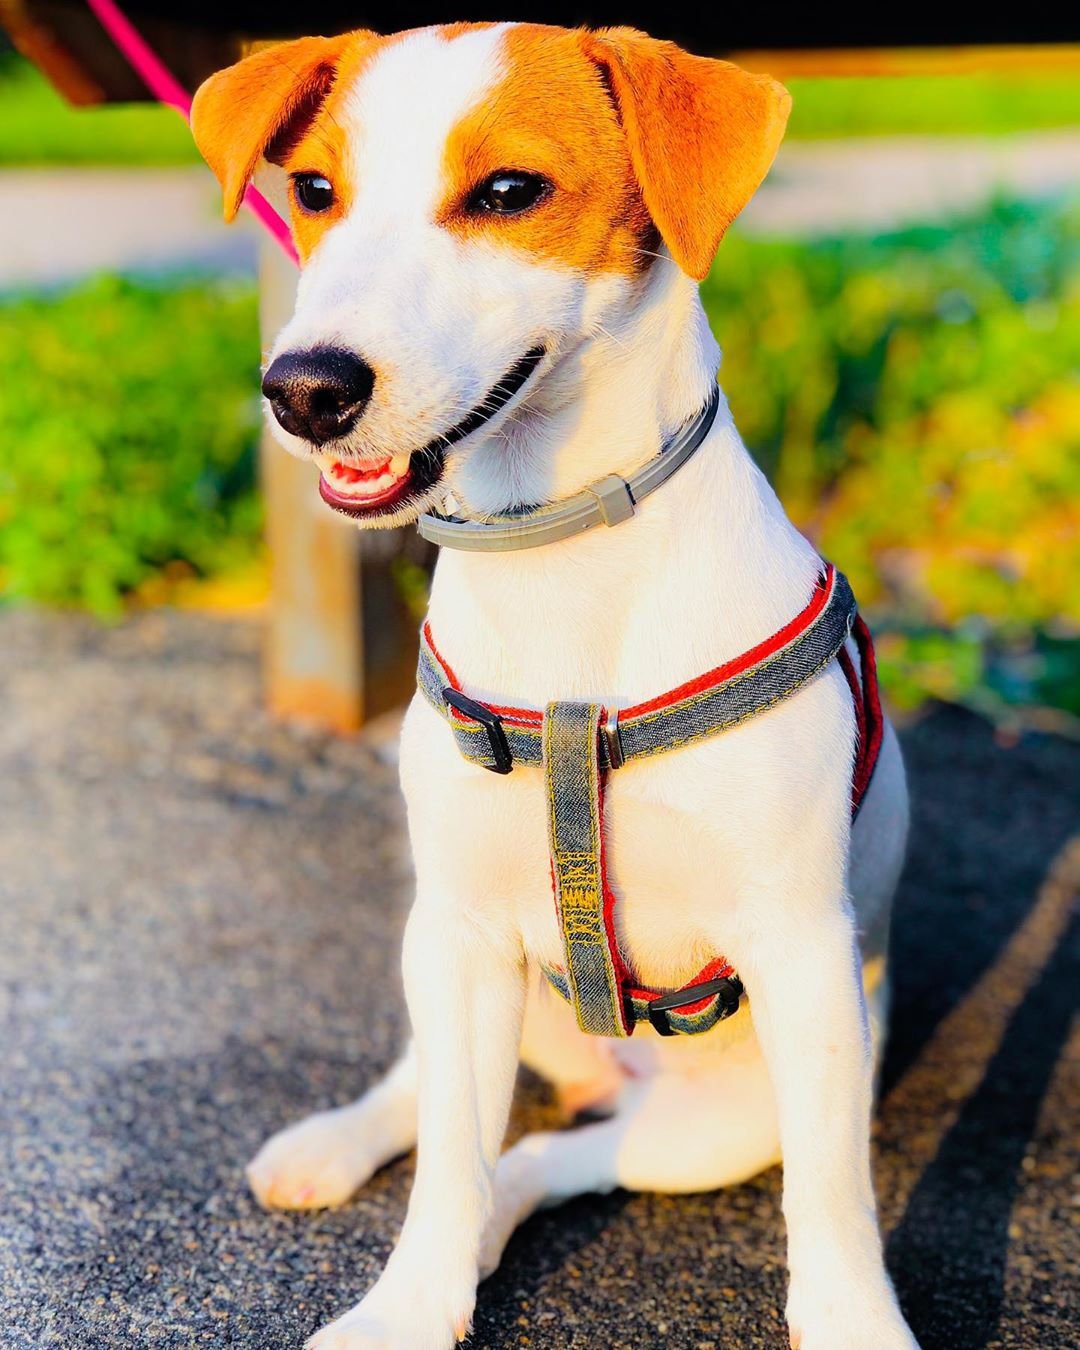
(502, 228)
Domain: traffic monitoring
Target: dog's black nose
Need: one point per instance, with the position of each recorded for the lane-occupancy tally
(318, 394)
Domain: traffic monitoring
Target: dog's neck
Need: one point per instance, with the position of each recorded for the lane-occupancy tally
(707, 567)
(608, 404)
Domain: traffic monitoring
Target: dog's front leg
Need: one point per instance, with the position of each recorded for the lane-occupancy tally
(465, 986)
(802, 973)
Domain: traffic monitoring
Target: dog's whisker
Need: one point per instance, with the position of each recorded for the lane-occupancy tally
(660, 257)
(610, 335)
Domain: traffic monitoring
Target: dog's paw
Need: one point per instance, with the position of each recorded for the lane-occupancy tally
(315, 1164)
(417, 1322)
(824, 1315)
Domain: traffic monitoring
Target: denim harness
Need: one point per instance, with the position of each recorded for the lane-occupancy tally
(577, 744)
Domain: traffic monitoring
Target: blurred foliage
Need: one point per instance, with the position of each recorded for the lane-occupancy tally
(38, 127)
(128, 417)
(916, 399)
(987, 104)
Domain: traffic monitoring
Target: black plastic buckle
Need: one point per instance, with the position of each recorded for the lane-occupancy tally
(729, 989)
(492, 724)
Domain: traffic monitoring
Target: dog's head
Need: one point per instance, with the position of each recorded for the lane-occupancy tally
(471, 205)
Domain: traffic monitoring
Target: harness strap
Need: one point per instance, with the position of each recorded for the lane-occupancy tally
(714, 702)
(576, 742)
(583, 899)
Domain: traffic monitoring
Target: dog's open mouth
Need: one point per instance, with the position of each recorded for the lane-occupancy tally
(381, 487)
(358, 490)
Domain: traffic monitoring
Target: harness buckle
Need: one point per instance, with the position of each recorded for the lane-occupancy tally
(729, 989)
(609, 729)
(492, 724)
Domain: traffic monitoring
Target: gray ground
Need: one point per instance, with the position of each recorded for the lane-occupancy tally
(199, 917)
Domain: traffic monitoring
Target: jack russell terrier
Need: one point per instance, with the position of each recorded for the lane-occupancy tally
(498, 334)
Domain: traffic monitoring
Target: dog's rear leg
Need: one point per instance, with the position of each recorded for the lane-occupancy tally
(670, 1133)
(582, 1069)
(325, 1158)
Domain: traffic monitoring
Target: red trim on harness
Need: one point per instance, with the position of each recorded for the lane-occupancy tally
(718, 969)
(771, 645)
(530, 717)
(869, 722)
(872, 722)
(522, 716)
(448, 669)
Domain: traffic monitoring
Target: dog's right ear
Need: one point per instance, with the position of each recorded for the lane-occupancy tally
(240, 111)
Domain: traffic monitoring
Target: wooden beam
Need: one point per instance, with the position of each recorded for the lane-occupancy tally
(39, 43)
(72, 50)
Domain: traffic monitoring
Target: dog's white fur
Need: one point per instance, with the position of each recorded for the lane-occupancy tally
(740, 844)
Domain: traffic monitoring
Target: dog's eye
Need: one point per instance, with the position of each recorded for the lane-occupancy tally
(314, 192)
(509, 192)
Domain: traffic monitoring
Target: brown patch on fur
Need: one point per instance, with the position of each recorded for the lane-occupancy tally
(638, 137)
(319, 147)
(282, 103)
(701, 135)
(239, 112)
(551, 115)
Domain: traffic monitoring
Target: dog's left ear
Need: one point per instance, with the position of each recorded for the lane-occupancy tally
(241, 111)
(701, 133)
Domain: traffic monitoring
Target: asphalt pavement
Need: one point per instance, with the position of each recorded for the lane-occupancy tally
(200, 914)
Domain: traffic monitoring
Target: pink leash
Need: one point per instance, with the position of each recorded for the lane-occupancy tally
(165, 88)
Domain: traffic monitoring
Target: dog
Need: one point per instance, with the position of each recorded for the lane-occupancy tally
(502, 228)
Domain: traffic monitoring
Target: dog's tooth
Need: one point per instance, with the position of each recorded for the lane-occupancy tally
(399, 465)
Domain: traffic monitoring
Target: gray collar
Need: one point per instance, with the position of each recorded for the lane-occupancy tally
(608, 501)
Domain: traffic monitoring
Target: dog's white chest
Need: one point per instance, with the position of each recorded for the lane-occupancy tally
(681, 831)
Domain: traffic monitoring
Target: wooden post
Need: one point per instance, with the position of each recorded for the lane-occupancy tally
(314, 657)
(341, 640)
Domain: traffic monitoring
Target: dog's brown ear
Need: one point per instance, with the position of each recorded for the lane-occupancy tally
(701, 133)
(240, 111)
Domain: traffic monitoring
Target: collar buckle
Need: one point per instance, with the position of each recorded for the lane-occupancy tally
(614, 499)
(609, 501)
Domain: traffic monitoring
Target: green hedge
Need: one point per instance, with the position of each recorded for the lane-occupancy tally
(986, 104)
(916, 398)
(128, 416)
(37, 127)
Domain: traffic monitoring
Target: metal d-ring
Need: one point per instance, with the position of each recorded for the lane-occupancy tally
(610, 731)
